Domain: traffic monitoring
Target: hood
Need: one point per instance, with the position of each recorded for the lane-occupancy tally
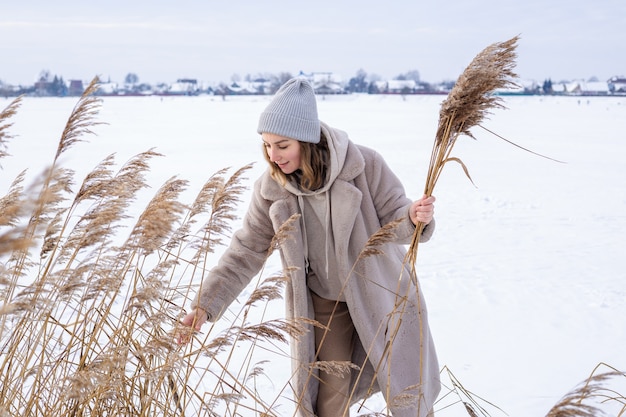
(338, 149)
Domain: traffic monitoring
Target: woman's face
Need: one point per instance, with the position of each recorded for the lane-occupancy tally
(282, 151)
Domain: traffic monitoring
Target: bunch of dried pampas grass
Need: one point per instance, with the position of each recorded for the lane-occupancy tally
(468, 103)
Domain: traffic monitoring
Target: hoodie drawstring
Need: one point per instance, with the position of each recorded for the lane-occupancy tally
(305, 239)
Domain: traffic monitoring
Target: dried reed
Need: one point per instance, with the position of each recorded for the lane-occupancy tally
(5, 124)
(468, 103)
(457, 394)
(593, 397)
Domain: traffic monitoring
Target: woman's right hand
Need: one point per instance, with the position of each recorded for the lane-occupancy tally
(193, 320)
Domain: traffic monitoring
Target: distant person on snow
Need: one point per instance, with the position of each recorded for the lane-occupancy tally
(375, 316)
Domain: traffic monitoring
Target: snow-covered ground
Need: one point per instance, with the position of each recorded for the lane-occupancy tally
(525, 278)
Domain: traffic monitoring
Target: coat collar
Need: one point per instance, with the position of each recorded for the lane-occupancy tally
(354, 163)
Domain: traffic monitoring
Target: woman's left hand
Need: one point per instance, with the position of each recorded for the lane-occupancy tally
(422, 210)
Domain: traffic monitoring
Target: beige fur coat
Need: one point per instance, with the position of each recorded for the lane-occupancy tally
(383, 302)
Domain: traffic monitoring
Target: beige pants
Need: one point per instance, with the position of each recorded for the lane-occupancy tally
(336, 344)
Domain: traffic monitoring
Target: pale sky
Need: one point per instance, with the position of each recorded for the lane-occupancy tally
(162, 41)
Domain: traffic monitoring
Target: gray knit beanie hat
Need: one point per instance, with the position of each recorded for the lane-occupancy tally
(292, 112)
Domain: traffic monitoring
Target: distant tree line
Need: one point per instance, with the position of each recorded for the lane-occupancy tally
(55, 85)
(267, 84)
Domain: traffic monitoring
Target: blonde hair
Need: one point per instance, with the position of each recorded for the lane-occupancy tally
(313, 166)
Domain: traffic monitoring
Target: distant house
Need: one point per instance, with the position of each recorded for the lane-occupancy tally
(617, 84)
(107, 89)
(325, 82)
(75, 88)
(257, 86)
(183, 87)
(581, 88)
(595, 88)
(328, 88)
(8, 90)
(397, 87)
(521, 87)
(243, 88)
(42, 87)
(402, 87)
(262, 85)
(48, 86)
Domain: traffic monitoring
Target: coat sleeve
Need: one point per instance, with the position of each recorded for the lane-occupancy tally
(390, 198)
(242, 260)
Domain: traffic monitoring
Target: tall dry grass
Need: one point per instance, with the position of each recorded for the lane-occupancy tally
(91, 297)
(88, 325)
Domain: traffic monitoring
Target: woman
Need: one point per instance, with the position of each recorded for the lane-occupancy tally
(375, 316)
